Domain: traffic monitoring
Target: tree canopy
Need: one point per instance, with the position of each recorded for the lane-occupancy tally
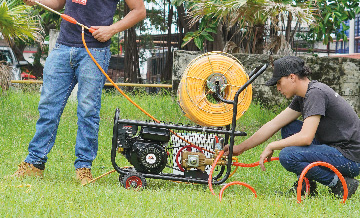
(255, 19)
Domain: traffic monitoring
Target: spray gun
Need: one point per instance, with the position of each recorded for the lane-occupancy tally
(65, 17)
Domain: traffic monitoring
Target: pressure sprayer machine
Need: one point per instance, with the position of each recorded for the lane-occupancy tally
(214, 92)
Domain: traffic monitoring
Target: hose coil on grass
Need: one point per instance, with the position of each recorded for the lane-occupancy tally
(197, 87)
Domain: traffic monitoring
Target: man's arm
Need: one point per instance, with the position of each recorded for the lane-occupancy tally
(266, 131)
(302, 138)
(54, 4)
(136, 14)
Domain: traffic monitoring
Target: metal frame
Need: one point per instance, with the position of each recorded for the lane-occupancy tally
(227, 132)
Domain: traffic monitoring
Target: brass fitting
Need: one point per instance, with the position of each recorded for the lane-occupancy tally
(197, 160)
(120, 150)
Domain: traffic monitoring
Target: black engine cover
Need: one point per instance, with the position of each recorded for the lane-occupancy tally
(148, 157)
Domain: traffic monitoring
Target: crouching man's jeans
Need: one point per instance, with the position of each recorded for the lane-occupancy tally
(64, 68)
(296, 158)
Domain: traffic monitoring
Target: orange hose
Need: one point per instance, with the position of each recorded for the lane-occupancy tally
(236, 183)
(253, 164)
(236, 168)
(212, 170)
(307, 185)
(233, 172)
(112, 82)
(320, 163)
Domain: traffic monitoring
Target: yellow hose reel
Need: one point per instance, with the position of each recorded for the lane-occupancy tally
(197, 87)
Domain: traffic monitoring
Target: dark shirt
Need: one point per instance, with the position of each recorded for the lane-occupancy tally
(339, 124)
(90, 13)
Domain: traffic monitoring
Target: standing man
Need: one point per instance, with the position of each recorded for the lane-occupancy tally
(69, 64)
(327, 117)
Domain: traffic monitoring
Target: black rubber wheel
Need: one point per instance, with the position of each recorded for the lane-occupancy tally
(121, 175)
(133, 180)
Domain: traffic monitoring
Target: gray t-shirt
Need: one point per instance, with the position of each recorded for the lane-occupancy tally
(339, 125)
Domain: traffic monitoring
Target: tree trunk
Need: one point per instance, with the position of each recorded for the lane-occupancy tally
(184, 20)
(288, 27)
(259, 39)
(219, 38)
(180, 24)
(131, 58)
(167, 72)
(294, 31)
(18, 48)
(273, 26)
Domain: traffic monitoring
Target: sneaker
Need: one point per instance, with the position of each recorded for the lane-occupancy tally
(84, 175)
(27, 169)
(338, 189)
(293, 189)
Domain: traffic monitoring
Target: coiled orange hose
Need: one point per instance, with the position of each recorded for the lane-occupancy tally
(320, 163)
(194, 91)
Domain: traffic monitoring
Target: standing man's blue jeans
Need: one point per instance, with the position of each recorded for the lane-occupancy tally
(64, 68)
(296, 158)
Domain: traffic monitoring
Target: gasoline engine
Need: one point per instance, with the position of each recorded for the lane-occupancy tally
(144, 150)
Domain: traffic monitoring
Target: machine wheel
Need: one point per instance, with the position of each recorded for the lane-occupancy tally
(133, 181)
(121, 175)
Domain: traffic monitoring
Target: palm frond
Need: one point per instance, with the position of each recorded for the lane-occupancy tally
(15, 22)
(253, 11)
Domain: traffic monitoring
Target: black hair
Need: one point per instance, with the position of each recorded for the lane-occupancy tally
(304, 73)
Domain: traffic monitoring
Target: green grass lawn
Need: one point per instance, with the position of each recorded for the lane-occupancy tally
(59, 195)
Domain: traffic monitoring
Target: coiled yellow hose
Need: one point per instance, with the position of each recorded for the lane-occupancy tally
(197, 86)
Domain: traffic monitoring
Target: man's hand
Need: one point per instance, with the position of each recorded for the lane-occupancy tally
(237, 150)
(266, 154)
(103, 33)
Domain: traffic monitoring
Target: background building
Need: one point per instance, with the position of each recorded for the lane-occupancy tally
(352, 46)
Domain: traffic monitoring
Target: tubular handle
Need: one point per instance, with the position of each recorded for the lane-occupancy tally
(73, 21)
(257, 72)
(68, 18)
(91, 30)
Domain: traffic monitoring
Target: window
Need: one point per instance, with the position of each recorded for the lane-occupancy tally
(357, 34)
